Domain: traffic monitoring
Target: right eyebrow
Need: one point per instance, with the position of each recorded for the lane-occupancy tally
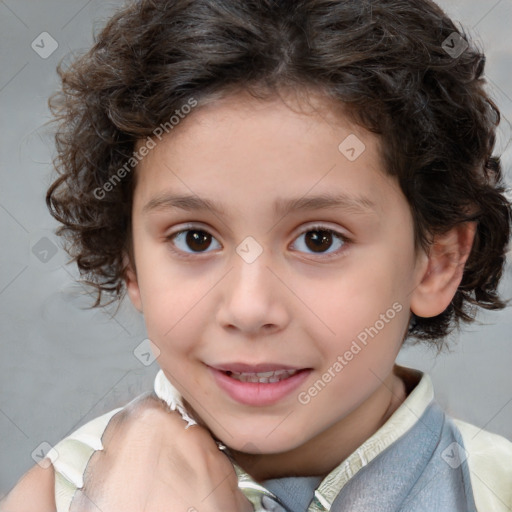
(168, 201)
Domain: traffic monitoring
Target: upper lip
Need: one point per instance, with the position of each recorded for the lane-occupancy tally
(253, 368)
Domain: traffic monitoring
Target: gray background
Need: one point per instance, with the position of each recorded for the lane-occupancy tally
(62, 365)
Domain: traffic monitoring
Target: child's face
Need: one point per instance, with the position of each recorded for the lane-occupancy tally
(300, 303)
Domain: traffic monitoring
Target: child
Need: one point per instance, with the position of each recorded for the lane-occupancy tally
(335, 160)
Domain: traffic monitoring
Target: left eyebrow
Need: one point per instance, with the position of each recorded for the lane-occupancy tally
(356, 204)
(282, 206)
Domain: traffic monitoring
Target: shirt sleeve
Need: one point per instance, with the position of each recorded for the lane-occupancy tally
(71, 455)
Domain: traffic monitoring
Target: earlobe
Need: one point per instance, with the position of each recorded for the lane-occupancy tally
(441, 278)
(132, 285)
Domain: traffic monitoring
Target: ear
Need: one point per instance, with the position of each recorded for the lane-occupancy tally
(444, 269)
(132, 285)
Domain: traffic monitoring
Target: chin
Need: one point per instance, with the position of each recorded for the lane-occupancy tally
(257, 442)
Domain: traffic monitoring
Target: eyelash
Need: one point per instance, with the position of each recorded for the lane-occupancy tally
(318, 228)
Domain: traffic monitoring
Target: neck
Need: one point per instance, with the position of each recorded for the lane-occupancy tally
(320, 455)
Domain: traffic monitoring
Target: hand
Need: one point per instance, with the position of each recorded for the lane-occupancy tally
(150, 463)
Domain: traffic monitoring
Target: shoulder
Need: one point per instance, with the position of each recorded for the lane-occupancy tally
(34, 492)
(489, 458)
(70, 457)
(51, 487)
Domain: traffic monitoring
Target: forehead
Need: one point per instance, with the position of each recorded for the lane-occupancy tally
(280, 155)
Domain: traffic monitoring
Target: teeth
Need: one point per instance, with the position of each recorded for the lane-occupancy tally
(265, 374)
(262, 377)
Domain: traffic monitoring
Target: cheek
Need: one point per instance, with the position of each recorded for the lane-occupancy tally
(368, 303)
(170, 305)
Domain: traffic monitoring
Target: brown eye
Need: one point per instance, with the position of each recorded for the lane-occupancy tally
(198, 240)
(319, 240)
(192, 240)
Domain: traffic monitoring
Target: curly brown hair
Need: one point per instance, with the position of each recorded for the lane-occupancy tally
(402, 69)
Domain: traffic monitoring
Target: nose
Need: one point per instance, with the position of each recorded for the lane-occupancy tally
(254, 299)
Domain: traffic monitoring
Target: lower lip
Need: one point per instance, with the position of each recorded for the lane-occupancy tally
(257, 393)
